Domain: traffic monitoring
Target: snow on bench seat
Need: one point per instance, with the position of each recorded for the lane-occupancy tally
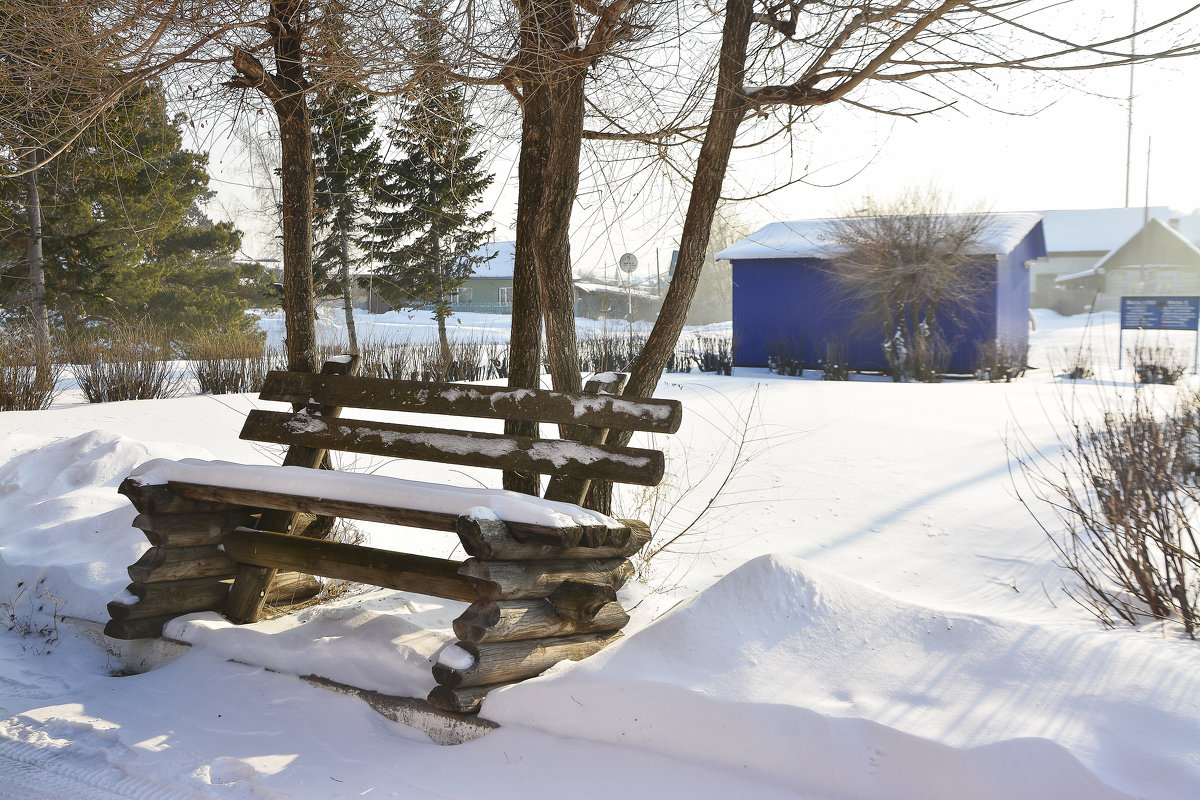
(376, 490)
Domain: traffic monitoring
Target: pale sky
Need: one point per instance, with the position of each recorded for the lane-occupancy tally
(1069, 152)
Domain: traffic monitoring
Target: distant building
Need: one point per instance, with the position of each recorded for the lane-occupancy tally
(783, 290)
(596, 300)
(489, 289)
(1157, 259)
(1076, 239)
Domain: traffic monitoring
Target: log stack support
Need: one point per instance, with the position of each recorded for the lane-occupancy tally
(538, 604)
(185, 570)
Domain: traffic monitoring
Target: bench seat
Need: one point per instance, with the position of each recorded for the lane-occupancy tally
(363, 490)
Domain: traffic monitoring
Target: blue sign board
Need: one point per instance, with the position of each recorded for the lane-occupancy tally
(1160, 313)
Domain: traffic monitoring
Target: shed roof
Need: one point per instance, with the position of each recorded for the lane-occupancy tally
(501, 265)
(812, 238)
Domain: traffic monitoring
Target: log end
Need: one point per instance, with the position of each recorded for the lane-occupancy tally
(581, 601)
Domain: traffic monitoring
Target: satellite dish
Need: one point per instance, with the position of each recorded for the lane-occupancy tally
(628, 262)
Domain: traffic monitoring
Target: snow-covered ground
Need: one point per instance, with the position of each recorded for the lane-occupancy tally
(865, 611)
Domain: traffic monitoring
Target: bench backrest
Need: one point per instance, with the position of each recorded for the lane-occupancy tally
(584, 416)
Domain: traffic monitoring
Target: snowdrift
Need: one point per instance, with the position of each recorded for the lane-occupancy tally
(796, 673)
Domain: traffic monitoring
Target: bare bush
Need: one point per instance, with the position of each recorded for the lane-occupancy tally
(997, 361)
(125, 361)
(784, 356)
(691, 504)
(227, 361)
(1125, 498)
(1079, 364)
(835, 366)
(23, 386)
(1157, 363)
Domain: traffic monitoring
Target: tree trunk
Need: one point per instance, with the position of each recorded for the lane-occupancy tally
(524, 348)
(37, 276)
(729, 109)
(548, 178)
(551, 138)
(439, 308)
(296, 184)
(347, 289)
(552, 110)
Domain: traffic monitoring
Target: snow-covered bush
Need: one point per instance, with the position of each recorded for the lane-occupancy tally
(784, 356)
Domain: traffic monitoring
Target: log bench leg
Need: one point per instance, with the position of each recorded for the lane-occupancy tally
(184, 571)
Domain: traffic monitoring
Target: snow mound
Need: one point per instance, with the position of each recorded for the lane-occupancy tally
(822, 684)
(379, 640)
(61, 519)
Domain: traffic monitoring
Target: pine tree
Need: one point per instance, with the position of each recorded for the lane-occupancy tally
(425, 233)
(123, 227)
(347, 164)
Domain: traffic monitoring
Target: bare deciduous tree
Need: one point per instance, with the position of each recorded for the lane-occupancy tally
(901, 263)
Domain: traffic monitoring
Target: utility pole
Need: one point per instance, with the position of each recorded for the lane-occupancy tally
(1129, 107)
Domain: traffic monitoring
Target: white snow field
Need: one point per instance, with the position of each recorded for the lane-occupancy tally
(865, 611)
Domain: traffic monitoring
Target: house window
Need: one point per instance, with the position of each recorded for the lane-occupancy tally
(1164, 282)
(453, 297)
(506, 295)
(465, 294)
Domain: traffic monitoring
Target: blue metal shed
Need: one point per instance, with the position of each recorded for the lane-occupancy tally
(783, 292)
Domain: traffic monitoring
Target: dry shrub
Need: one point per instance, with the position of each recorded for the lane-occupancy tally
(1125, 497)
(22, 386)
(125, 361)
(835, 365)
(1157, 363)
(785, 356)
(1079, 364)
(1000, 361)
(227, 361)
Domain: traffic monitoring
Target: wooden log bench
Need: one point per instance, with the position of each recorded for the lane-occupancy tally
(542, 573)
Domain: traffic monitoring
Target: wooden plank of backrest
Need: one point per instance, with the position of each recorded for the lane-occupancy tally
(467, 448)
(248, 594)
(469, 400)
(568, 489)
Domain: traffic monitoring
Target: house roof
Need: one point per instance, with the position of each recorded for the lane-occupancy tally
(1096, 230)
(501, 265)
(1155, 227)
(813, 238)
(588, 287)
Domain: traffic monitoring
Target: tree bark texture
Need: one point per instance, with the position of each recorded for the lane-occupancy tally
(37, 275)
(552, 110)
(347, 287)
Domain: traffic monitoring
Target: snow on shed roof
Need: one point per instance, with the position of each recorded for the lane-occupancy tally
(1098, 230)
(501, 265)
(812, 238)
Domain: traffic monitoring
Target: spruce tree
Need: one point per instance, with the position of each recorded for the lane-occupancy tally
(347, 164)
(425, 233)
